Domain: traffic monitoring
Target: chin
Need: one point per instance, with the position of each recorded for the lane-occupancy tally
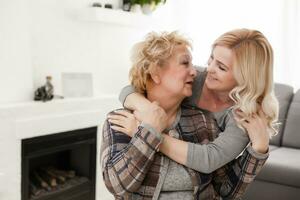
(188, 94)
(211, 86)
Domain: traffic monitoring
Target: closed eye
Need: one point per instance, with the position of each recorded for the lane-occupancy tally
(186, 63)
(221, 68)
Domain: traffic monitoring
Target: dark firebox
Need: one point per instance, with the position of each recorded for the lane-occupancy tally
(60, 166)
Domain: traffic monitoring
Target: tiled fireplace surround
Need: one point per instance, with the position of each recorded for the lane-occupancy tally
(27, 120)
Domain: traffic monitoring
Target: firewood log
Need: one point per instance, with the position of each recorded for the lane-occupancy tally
(59, 178)
(41, 182)
(64, 173)
(49, 179)
(34, 190)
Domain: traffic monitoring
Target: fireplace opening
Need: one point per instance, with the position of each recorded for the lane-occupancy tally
(60, 166)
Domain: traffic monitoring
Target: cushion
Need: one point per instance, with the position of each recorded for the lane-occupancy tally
(284, 94)
(273, 147)
(291, 137)
(282, 167)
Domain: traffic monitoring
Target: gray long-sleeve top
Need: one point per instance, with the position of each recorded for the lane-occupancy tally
(231, 141)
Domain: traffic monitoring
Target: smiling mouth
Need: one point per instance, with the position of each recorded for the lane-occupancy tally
(212, 78)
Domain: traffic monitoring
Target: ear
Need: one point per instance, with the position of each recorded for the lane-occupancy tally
(155, 74)
(155, 77)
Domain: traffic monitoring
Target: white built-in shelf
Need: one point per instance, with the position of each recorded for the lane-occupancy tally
(113, 16)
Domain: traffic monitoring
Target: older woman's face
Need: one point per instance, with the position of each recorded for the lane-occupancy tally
(178, 74)
(220, 70)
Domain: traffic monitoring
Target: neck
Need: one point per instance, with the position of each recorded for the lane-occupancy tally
(217, 98)
(168, 102)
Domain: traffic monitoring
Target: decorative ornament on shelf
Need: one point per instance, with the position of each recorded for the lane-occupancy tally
(97, 4)
(126, 5)
(144, 6)
(136, 8)
(46, 92)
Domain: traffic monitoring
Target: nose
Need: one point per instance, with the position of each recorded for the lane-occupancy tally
(193, 72)
(211, 67)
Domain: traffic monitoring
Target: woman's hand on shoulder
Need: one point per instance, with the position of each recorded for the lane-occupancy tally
(124, 121)
(153, 115)
(128, 123)
(257, 129)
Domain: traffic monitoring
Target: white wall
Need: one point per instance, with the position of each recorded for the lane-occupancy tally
(40, 38)
(290, 71)
(63, 42)
(278, 20)
(207, 20)
(15, 57)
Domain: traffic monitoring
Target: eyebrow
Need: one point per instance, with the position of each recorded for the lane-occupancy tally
(219, 62)
(187, 56)
(222, 64)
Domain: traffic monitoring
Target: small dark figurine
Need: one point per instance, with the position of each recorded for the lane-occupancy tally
(108, 5)
(126, 5)
(97, 4)
(45, 93)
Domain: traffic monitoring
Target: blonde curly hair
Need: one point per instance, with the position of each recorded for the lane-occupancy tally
(152, 53)
(253, 71)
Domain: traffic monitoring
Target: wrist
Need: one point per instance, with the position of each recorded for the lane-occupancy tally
(152, 130)
(128, 102)
(260, 148)
(136, 101)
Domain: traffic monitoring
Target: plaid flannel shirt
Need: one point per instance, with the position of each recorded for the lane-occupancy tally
(131, 166)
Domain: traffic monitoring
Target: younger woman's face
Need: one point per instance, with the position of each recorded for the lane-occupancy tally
(220, 70)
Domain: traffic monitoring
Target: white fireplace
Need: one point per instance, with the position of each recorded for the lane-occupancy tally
(27, 120)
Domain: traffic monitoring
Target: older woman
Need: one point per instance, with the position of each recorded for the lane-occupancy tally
(239, 77)
(133, 168)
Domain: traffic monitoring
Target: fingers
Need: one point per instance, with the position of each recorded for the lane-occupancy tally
(115, 117)
(245, 124)
(123, 112)
(240, 113)
(241, 117)
(242, 120)
(120, 129)
(120, 114)
(118, 122)
(123, 121)
(261, 113)
(121, 126)
(263, 116)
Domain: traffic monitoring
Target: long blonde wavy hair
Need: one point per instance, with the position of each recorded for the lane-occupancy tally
(253, 71)
(151, 53)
